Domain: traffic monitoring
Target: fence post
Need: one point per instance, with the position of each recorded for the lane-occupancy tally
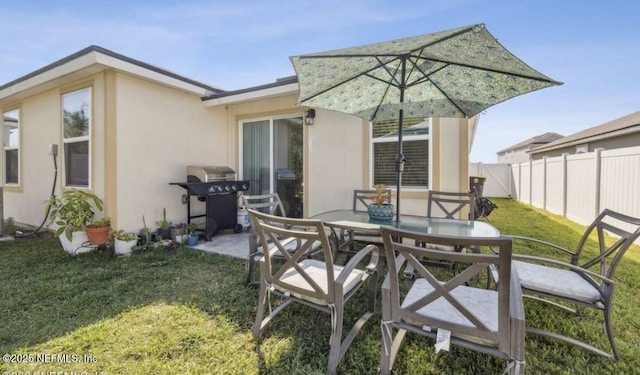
(544, 182)
(530, 182)
(1, 212)
(598, 161)
(565, 172)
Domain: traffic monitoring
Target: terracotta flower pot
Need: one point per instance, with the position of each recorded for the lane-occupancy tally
(97, 235)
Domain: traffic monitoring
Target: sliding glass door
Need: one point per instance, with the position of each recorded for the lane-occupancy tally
(271, 159)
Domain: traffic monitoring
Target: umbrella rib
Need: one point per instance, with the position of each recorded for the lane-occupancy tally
(426, 77)
(391, 74)
(465, 65)
(386, 91)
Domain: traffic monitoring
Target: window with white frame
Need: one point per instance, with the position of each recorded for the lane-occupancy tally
(415, 147)
(76, 126)
(11, 143)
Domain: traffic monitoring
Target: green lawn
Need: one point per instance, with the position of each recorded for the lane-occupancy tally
(185, 311)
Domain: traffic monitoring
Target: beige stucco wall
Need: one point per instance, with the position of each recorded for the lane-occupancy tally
(40, 126)
(159, 132)
(143, 136)
(338, 149)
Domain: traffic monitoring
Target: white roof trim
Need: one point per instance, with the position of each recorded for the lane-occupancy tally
(140, 71)
(101, 61)
(270, 92)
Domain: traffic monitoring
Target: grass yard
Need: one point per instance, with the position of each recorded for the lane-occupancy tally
(185, 311)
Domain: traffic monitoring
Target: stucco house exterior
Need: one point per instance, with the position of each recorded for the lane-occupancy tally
(619, 133)
(519, 152)
(125, 129)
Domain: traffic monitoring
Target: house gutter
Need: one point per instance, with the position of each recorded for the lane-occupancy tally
(285, 86)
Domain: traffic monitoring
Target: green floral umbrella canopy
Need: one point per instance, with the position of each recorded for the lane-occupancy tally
(452, 73)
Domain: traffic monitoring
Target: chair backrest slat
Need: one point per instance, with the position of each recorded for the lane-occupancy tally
(444, 284)
(362, 198)
(294, 239)
(267, 203)
(610, 253)
(450, 205)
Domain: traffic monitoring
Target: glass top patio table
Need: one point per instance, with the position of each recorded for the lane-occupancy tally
(359, 220)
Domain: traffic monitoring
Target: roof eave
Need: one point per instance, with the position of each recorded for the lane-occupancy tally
(92, 60)
(282, 87)
(616, 133)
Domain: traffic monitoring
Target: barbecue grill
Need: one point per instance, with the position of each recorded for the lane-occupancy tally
(218, 188)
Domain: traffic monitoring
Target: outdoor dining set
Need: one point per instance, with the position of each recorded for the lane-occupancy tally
(448, 276)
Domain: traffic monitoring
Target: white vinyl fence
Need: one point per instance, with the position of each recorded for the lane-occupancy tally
(499, 181)
(580, 186)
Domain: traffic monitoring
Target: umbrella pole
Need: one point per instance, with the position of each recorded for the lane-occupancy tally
(400, 156)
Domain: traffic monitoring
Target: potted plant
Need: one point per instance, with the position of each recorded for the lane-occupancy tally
(123, 242)
(177, 231)
(98, 231)
(380, 210)
(71, 211)
(193, 236)
(164, 226)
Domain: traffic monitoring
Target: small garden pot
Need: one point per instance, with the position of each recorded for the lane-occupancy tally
(124, 247)
(380, 212)
(192, 240)
(164, 234)
(176, 233)
(79, 243)
(97, 235)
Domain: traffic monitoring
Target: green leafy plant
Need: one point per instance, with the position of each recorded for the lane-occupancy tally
(190, 228)
(101, 223)
(124, 236)
(164, 224)
(10, 226)
(72, 210)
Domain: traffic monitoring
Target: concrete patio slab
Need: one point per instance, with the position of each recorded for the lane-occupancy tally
(227, 243)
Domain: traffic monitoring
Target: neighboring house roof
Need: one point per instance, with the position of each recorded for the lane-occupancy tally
(533, 142)
(618, 127)
(92, 60)
(282, 86)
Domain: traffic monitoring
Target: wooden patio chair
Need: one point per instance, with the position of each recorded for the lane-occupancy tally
(443, 304)
(319, 284)
(584, 280)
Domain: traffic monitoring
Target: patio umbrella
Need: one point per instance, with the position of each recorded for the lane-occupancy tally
(453, 73)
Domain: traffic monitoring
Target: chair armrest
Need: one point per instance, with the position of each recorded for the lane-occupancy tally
(254, 243)
(517, 321)
(399, 262)
(357, 258)
(552, 245)
(562, 264)
(516, 302)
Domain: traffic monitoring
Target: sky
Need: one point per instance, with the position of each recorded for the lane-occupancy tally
(593, 47)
